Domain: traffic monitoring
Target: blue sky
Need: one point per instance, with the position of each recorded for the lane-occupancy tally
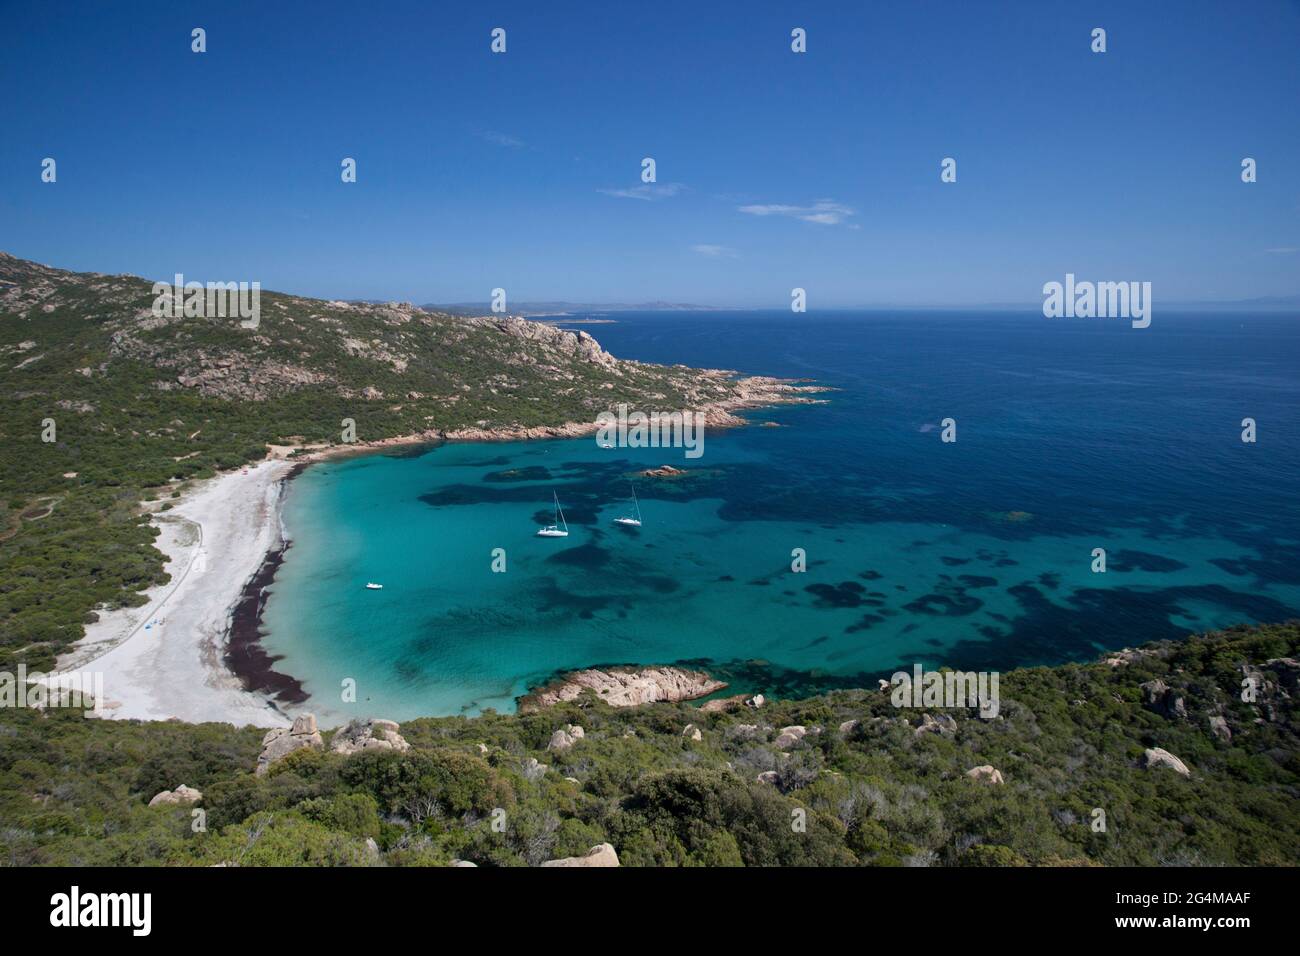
(775, 169)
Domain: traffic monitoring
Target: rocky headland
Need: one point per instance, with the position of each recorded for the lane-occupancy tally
(624, 687)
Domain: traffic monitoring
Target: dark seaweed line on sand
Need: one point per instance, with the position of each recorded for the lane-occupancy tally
(244, 655)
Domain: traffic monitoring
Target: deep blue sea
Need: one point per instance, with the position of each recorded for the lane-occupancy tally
(1072, 435)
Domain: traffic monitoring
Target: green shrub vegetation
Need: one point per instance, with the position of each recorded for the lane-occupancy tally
(1069, 740)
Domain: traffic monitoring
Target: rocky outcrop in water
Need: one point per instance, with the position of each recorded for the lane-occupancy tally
(624, 687)
(664, 471)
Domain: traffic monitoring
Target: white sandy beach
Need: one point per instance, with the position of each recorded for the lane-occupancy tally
(164, 659)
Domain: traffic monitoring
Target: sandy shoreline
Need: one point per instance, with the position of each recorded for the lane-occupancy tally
(193, 651)
(166, 659)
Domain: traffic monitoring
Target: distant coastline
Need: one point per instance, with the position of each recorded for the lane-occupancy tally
(564, 320)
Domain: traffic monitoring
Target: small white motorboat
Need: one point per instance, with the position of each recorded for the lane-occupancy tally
(372, 586)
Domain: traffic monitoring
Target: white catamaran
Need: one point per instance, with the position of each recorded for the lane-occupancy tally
(554, 530)
(632, 522)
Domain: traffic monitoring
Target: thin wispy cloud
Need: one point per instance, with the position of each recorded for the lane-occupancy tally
(650, 192)
(715, 252)
(824, 212)
(504, 140)
(1283, 250)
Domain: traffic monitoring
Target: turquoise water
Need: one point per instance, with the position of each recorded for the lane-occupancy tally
(975, 554)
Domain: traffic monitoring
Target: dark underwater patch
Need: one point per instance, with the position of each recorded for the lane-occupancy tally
(1233, 566)
(581, 513)
(529, 473)
(1126, 560)
(589, 556)
(863, 623)
(999, 559)
(408, 672)
(842, 595)
(552, 597)
(450, 496)
(1276, 564)
(660, 584)
(945, 605)
(948, 599)
(584, 487)
(1093, 620)
(745, 677)
(415, 450)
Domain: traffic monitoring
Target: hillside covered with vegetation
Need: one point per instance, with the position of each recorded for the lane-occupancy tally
(870, 786)
(108, 403)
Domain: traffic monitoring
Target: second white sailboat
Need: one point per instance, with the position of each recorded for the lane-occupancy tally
(631, 522)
